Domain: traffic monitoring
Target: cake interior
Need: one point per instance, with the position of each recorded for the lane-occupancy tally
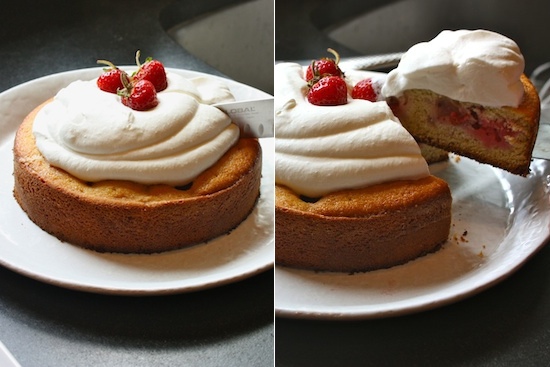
(503, 137)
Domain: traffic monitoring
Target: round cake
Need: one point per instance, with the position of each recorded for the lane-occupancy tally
(131, 215)
(353, 192)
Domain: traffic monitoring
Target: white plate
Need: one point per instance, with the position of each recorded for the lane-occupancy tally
(27, 249)
(6, 358)
(506, 217)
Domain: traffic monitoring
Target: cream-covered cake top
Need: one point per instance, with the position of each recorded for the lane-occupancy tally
(323, 149)
(477, 66)
(90, 134)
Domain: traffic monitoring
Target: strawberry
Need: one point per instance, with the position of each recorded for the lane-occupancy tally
(324, 67)
(328, 91)
(139, 96)
(111, 80)
(366, 89)
(152, 70)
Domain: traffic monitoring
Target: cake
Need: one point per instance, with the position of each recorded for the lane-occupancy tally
(466, 92)
(97, 174)
(353, 192)
(432, 154)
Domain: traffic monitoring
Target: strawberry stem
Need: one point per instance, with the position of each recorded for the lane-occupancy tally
(336, 55)
(108, 63)
(138, 55)
(125, 92)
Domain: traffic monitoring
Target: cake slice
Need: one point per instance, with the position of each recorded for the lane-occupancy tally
(465, 92)
(432, 154)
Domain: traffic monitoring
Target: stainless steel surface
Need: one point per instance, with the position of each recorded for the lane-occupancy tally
(254, 117)
(243, 50)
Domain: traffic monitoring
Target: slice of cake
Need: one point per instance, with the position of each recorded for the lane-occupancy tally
(353, 193)
(465, 92)
(432, 154)
(94, 172)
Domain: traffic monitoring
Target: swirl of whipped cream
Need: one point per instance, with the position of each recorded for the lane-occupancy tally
(93, 136)
(323, 149)
(477, 66)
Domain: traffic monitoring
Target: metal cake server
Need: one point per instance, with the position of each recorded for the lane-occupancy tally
(254, 117)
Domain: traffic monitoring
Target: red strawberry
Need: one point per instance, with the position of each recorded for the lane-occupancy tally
(152, 70)
(324, 67)
(329, 91)
(140, 96)
(366, 89)
(111, 80)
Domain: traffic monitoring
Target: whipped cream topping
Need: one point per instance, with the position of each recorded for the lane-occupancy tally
(477, 66)
(93, 136)
(323, 149)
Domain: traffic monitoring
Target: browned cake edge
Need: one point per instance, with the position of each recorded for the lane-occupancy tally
(374, 228)
(129, 217)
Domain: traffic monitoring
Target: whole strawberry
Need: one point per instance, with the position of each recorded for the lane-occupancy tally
(111, 79)
(139, 96)
(153, 71)
(324, 67)
(366, 89)
(328, 91)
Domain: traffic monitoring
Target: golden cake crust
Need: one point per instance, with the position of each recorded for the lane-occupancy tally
(362, 229)
(415, 110)
(123, 216)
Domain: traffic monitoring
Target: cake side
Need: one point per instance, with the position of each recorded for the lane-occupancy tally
(362, 229)
(124, 216)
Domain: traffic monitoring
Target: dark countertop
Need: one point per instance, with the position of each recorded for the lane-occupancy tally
(43, 325)
(506, 325)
